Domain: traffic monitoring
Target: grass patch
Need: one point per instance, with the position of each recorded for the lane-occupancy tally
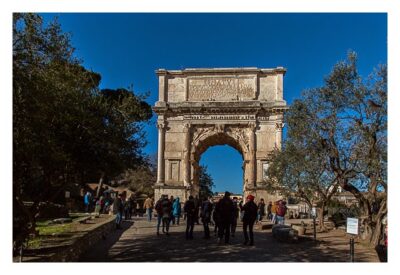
(55, 229)
(47, 230)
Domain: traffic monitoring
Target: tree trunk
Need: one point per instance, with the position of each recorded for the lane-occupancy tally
(321, 211)
(377, 230)
(101, 181)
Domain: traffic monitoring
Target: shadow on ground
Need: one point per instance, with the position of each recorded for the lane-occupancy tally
(99, 251)
(144, 246)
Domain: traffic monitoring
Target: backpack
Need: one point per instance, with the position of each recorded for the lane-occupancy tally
(281, 211)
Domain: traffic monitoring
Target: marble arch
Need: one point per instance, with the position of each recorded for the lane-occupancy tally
(199, 108)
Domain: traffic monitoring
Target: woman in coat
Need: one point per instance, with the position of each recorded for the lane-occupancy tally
(176, 210)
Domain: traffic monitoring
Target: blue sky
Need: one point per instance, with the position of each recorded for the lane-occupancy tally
(127, 48)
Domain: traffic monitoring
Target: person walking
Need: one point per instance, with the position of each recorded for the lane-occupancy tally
(281, 212)
(225, 211)
(249, 217)
(148, 205)
(166, 214)
(269, 214)
(206, 209)
(215, 217)
(158, 208)
(274, 208)
(127, 209)
(118, 209)
(172, 217)
(197, 209)
(241, 209)
(176, 210)
(189, 209)
(234, 216)
(261, 210)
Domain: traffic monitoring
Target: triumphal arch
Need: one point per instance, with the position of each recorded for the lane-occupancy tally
(200, 108)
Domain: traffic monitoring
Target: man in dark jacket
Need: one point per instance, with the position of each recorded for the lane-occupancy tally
(159, 211)
(166, 214)
(234, 216)
(225, 211)
(189, 209)
(206, 209)
(249, 217)
(261, 210)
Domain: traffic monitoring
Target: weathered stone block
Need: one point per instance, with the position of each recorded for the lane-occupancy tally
(284, 233)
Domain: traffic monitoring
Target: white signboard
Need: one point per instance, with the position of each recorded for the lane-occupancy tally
(67, 194)
(313, 212)
(352, 226)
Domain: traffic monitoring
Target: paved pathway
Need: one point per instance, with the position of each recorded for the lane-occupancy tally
(137, 242)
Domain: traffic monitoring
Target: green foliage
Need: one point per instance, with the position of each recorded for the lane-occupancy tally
(337, 136)
(64, 128)
(206, 182)
(140, 179)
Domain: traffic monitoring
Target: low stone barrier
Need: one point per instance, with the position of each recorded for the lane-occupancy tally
(80, 242)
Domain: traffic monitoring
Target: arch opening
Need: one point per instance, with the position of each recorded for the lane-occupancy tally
(216, 140)
(225, 166)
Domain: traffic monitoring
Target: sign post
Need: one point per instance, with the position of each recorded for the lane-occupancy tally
(314, 215)
(352, 229)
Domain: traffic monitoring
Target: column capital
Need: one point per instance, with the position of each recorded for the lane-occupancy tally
(161, 125)
(252, 126)
(279, 126)
(186, 127)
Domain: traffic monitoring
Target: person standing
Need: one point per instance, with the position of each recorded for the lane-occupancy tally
(148, 205)
(215, 218)
(281, 212)
(274, 208)
(127, 209)
(87, 199)
(176, 210)
(196, 211)
(172, 217)
(234, 216)
(249, 217)
(158, 208)
(166, 214)
(241, 209)
(269, 214)
(189, 209)
(261, 210)
(225, 211)
(118, 209)
(206, 209)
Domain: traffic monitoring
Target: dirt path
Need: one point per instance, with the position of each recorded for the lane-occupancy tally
(137, 242)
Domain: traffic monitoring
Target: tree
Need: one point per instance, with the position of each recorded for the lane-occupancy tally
(294, 174)
(141, 179)
(341, 129)
(65, 129)
(206, 182)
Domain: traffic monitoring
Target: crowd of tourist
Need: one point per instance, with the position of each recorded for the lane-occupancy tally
(223, 214)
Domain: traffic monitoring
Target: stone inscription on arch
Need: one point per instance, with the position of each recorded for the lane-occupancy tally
(200, 108)
(217, 88)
